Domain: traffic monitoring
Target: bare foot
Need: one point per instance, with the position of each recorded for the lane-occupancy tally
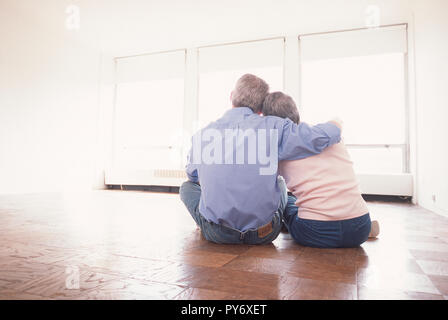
(374, 229)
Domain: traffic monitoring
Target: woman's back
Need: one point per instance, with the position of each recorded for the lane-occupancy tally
(325, 185)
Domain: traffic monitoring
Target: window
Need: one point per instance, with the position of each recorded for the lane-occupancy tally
(360, 77)
(221, 66)
(149, 106)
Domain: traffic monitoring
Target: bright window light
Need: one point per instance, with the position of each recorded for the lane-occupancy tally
(377, 160)
(149, 112)
(360, 77)
(367, 93)
(221, 66)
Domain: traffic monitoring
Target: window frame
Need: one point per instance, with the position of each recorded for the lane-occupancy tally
(116, 82)
(382, 183)
(198, 64)
(405, 147)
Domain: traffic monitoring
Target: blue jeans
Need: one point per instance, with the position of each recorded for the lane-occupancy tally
(190, 194)
(326, 234)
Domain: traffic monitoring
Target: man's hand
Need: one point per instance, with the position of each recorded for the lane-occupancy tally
(337, 122)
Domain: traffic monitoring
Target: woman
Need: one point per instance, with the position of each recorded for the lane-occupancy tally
(326, 209)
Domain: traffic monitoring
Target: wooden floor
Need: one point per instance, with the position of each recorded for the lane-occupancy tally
(139, 245)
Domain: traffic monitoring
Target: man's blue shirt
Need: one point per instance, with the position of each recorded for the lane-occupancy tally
(235, 159)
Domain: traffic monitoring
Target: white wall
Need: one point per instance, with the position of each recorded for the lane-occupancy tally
(48, 100)
(145, 26)
(55, 126)
(431, 73)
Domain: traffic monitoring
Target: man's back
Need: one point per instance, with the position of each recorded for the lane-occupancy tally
(235, 160)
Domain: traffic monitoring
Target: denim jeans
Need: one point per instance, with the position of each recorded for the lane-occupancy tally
(347, 233)
(190, 194)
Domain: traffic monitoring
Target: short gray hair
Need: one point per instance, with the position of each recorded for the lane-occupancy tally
(280, 105)
(250, 91)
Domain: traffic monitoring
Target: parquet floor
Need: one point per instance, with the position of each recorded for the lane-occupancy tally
(140, 245)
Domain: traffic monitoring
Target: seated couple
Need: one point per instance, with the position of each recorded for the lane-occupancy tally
(241, 166)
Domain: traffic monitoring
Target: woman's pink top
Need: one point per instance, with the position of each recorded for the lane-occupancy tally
(325, 185)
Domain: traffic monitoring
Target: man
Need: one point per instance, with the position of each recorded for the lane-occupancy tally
(234, 193)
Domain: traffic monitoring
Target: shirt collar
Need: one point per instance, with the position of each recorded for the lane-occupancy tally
(240, 111)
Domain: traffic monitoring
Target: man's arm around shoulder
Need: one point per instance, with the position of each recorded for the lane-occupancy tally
(301, 140)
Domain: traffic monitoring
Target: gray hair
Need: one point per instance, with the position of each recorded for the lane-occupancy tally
(280, 105)
(250, 91)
